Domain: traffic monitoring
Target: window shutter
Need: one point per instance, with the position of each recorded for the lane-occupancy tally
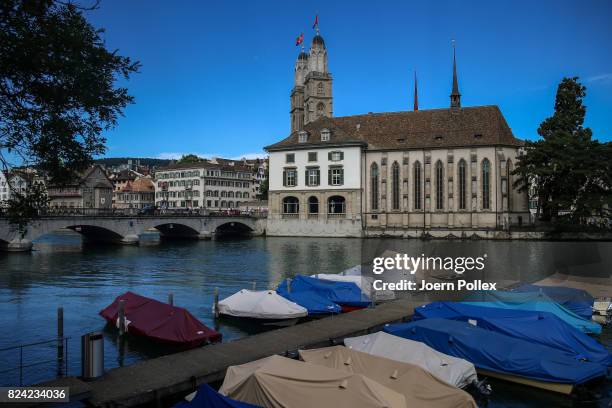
(284, 178)
(318, 177)
(341, 155)
(329, 155)
(329, 178)
(342, 176)
(306, 177)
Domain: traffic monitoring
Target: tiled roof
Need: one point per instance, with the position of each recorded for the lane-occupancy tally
(223, 164)
(140, 185)
(424, 129)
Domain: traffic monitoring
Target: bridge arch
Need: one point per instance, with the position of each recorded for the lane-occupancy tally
(233, 228)
(177, 230)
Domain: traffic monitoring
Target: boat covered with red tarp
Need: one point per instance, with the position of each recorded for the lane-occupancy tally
(160, 321)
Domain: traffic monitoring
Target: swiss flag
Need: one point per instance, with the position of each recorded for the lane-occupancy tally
(299, 39)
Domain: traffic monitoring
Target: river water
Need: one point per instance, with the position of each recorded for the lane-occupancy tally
(82, 278)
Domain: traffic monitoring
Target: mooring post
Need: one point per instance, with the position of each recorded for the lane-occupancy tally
(254, 285)
(216, 303)
(121, 317)
(288, 285)
(60, 340)
(171, 299)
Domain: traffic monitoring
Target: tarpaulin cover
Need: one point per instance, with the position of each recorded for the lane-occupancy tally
(531, 301)
(314, 303)
(341, 293)
(262, 304)
(280, 382)
(577, 300)
(419, 387)
(206, 397)
(160, 321)
(365, 283)
(537, 327)
(455, 371)
(497, 352)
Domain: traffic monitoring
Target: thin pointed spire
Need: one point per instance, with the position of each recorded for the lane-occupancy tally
(416, 94)
(455, 96)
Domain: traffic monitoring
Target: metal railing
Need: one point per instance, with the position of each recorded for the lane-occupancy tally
(61, 359)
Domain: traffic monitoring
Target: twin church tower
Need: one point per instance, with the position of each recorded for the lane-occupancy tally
(311, 96)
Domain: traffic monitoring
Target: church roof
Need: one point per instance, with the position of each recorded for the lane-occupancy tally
(423, 129)
(317, 39)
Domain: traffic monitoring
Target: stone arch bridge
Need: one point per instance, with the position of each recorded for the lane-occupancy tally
(123, 229)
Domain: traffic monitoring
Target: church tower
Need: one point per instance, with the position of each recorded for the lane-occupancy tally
(317, 83)
(455, 96)
(297, 93)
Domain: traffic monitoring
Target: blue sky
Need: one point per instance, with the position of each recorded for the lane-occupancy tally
(216, 76)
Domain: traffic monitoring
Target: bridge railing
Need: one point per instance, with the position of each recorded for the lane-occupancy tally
(140, 212)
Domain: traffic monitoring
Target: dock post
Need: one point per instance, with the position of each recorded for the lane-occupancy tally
(254, 285)
(288, 285)
(60, 340)
(216, 303)
(171, 299)
(121, 317)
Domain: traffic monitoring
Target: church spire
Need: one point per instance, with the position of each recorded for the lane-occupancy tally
(416, 95)
(455, 96)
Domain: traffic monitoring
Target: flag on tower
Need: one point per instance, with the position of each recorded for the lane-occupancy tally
(299, 39)
(316, 23)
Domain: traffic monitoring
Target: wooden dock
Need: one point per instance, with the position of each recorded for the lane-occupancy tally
(158, 381)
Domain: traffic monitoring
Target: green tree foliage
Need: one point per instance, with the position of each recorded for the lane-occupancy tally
(57, 88)
(189, 158)
(570, 172)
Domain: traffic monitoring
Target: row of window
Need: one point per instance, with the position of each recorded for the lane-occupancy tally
(335, 205)
(179, 183)
(209, 173)
(312, 176)
(418, 185)
(313, 156)
(134, 196)
(227, 183)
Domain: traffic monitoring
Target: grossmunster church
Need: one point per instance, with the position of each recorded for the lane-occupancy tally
(443, 172)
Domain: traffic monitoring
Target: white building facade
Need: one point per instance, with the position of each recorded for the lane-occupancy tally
(207, 184)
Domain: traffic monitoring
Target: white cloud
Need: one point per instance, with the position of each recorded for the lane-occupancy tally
(607, 77)
(178, 155)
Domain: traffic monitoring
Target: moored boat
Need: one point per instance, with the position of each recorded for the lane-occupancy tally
(206, 397)
(576, 300)
(537, 327)
(455, 371)
(265, 306)
(345, 294)
(419, 387)
(159, 321)
(534, 301)
(497, 355)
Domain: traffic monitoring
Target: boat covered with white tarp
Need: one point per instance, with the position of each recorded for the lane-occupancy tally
(261, 304)
(453, 370)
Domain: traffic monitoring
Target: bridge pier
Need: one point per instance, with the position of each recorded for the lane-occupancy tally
(130, 239)
(206, 235)
(18, 245)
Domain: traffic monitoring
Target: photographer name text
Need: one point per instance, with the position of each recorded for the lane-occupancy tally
(407, 285)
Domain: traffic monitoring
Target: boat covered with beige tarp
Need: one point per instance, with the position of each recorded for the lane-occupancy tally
(453, 370)
(275, 382)
(419, 387)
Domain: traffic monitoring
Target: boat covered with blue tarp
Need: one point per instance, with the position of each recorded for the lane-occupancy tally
(498, 353)
(576, 300)
(206, 397)
(312, 302)
(344, 294)
(538, 327)
(535, 301)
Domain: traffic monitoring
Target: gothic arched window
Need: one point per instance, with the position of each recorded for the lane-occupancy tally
(320, 89)
(418, 184)
(462, 184)
(395, 186)
(439, 185)
(486, 184)
(374, 185)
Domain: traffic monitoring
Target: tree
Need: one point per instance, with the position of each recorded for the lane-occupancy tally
(189, 158)
(569, 171)
(57, 89)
